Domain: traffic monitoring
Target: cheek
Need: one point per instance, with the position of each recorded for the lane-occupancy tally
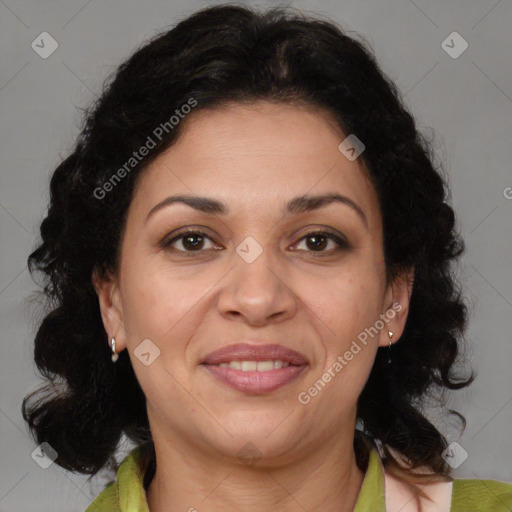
(348, 306)
(155, 303)
(348, 312)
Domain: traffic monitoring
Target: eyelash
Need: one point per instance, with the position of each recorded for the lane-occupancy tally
(340, 242)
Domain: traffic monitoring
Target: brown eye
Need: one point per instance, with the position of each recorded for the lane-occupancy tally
(191, 241)
(317, 241)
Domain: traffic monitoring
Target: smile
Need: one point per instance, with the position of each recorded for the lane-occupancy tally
(246, 376)
(258, 366)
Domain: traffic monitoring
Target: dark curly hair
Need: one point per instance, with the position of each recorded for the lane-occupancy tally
(218, 56)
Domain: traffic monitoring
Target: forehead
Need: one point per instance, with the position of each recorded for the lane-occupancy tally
(257, 156)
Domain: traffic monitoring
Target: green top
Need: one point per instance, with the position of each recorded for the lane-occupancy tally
(127, 494)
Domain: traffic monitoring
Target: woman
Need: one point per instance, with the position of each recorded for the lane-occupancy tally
(248, 252)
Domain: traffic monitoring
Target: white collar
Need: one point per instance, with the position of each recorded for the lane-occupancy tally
(400, 498)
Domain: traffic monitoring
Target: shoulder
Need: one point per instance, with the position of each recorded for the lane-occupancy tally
(453, 496)
(481, 496)
(449, 494)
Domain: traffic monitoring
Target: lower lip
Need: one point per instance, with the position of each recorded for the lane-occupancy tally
(254, 381)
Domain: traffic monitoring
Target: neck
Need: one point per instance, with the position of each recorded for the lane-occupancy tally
(326, 478)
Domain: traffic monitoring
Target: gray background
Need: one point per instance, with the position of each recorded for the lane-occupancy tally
(466, 100)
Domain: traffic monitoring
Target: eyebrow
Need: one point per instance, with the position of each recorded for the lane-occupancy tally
(300, 204)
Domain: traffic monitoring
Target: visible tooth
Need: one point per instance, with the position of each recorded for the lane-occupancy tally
(249, 366)
(265, 366)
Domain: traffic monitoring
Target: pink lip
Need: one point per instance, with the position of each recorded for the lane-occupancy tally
(251, 352)
(254, 381)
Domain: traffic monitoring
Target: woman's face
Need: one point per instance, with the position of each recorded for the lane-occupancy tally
(255, 275)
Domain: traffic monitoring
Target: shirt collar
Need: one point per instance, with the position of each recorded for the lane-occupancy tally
(131, 494)
(371, 496)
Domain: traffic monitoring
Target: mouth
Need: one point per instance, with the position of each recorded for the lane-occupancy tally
(255, 368)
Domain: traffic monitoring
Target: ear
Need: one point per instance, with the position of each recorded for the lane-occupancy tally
(107, 289)
(397, 298)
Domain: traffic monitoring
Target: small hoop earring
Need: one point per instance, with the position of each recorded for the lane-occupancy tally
(115, 356)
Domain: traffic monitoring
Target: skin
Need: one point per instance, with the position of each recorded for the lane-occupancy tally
(254, 158)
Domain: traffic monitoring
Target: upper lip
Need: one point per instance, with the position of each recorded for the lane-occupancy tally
(251, 352)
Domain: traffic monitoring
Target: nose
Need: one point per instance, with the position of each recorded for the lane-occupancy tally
(257, 292)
